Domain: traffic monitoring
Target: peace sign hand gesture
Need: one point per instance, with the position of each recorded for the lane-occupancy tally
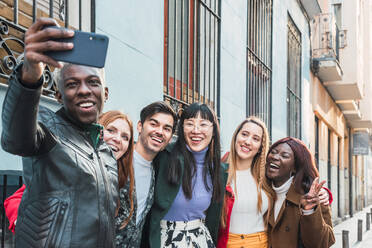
(311, 199)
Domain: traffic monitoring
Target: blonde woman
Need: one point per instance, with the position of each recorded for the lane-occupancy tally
(248, 195)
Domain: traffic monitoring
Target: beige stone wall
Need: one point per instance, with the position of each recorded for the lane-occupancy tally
(326, 109)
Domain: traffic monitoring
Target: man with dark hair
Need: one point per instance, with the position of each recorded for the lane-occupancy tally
(156, 127)
(69, 172)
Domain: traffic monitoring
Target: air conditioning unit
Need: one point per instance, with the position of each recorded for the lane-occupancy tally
(323, 36)
(342, 38)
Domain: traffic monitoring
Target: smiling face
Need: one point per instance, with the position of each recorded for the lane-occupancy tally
(82, 92)
(248, 142)
(117, 135)
(198, 133)
(280, 164)
(154, 134)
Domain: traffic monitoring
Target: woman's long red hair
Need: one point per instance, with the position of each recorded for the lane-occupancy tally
(125, 164)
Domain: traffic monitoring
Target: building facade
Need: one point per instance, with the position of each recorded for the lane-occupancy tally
(341, 101)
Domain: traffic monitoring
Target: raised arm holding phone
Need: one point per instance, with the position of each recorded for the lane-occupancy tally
(69, 172)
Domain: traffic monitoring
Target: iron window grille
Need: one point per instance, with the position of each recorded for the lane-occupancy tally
(191, 52)
(17, 15)
(294, 80)
(259, 43)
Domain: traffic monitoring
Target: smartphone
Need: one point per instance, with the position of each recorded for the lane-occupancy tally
(89, 49)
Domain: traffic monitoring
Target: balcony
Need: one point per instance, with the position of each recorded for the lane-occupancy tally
(340, 90)
(365, 106)
(348, 105)
(311, 7)
(326, 39)
(352, 115)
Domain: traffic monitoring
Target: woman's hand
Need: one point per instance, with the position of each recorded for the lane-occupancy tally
(323, 197)
(311, 199)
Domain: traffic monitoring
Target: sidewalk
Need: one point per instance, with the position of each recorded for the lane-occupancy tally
(351, 225)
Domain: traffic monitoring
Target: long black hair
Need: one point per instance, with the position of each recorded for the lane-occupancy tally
(212, 162)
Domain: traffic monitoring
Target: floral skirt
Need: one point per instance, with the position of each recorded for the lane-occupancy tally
(185, 234)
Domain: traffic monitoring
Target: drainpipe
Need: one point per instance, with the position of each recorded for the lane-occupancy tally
(350, 176)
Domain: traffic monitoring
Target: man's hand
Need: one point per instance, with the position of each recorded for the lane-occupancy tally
(38, 40)
(311, 199)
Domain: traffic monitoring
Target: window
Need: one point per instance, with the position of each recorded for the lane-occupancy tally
(338, 19)
(316, 132)
(294, 81)
(339, 159)
(329, 165)
(259, 37)
(191, 52)
(337, 14)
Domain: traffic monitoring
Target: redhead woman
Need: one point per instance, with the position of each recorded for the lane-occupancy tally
(297, 219)
(248, 195)
(118, 134)
(189, 184)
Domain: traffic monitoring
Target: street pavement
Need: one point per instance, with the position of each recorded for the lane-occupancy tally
(351, 225)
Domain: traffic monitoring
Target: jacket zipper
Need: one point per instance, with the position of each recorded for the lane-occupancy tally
(106, 194)
(59, 219)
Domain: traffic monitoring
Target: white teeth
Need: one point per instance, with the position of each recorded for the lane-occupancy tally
(157, 139)
(274, 165)
(245, 149)
(86, 104)
(196, 139)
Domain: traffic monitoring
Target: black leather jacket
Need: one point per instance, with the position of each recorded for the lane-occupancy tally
(71, 184)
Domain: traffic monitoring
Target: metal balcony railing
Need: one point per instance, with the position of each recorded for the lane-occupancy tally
(19, 15)
(337, 45)
(325, 37)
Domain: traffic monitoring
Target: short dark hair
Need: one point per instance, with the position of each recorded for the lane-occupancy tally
(158, 107)
(58, 74)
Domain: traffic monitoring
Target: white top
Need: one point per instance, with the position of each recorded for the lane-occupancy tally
(245, 218)
(142, 175)
(281, 194)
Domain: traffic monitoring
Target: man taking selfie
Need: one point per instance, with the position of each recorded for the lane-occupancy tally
(69, 172)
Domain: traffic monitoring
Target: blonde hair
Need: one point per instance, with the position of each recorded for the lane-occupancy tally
(257, 167)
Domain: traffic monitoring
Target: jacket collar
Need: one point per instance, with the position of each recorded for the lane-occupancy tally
(94, 130)
(292, 196)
